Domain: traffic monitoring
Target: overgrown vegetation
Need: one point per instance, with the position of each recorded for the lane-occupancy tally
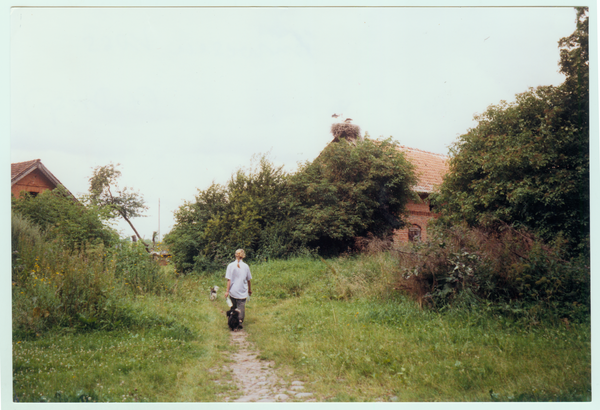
(337, 324)
(527, 163)
(60, 215)
(162, 354)
(494, 307)
(498, 268)
(83, 288)
(341, 325)
(348, 191)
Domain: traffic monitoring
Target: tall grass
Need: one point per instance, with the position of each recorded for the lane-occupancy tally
(172, 350)
(346, 330)
(342, 325)
(85, 288)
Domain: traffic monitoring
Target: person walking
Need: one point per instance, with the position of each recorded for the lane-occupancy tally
(238, 283)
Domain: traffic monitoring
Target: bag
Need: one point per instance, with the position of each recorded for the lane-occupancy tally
(229, 302)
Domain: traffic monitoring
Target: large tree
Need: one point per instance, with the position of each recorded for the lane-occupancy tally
(350, 190)
(223, 218)
(526, 163)
(105, 193)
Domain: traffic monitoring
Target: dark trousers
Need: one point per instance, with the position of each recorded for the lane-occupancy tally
(241, 305)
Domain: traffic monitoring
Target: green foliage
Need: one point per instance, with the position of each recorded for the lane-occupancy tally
(248, 213)
(132, 266)
(254, 203)
(62, 217)
(82, 288)
(340, 332)
(350, 191)
(527, 163)
(507, 271)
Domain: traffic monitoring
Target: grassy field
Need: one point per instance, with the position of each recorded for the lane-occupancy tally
(166, 356)
(338, 325)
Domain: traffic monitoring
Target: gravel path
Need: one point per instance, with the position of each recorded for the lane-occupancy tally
(256, 378)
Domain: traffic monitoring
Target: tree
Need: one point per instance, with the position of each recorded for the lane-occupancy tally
(60, 215)
(122, 203)
(224, 218)
(526, 163)
(350, 190)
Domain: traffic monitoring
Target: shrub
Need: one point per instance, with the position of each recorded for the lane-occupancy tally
(136, 269)
(85, 288)
(60, 215)
(348, 191)
(53, 285)
(509, 268)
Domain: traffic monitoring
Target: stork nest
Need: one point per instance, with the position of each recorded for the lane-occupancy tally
(348, 131)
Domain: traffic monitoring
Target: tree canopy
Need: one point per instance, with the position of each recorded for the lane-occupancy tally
(526, 163)
(348, 191)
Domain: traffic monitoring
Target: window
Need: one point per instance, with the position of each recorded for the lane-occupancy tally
(414, 233)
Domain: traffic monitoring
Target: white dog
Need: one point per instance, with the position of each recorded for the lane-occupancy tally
(213, 292)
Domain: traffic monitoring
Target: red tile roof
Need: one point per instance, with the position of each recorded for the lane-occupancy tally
(20, 169)
(430, 168)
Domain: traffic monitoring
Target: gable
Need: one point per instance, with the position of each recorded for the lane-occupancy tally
(32, 176)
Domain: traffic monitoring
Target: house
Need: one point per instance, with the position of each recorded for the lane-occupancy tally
(32, 177)
(430, 169)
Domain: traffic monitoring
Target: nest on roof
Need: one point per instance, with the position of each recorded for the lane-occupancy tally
(350, 132)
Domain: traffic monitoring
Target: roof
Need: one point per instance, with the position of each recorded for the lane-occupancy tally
(430, 168)
(19, 170)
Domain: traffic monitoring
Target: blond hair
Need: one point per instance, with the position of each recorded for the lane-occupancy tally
(240, 253)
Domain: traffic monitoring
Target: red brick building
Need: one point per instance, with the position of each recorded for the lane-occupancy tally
(31, 176)
(430, 170)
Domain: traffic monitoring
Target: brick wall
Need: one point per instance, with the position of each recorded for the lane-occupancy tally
(419, 216)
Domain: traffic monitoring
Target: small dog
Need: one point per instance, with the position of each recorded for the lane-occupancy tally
(213, 292)
(233, 319)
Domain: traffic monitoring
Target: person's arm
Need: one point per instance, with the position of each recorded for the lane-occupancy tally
(227, 287)
(249, 288)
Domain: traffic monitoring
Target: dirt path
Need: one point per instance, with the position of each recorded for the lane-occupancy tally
(256, 380)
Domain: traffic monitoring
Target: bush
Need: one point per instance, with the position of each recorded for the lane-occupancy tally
(85, 288)
(510, 269)
(60, 215)
(242, 214)
(56, 286)
(350, 190)
(136, 269)
(527, 162)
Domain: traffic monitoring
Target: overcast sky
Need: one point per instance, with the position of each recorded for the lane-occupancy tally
(183, 97)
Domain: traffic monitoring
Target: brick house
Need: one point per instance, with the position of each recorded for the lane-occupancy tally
(430, 170)
(31, 176)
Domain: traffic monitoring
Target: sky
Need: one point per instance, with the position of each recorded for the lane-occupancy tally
(184, 97)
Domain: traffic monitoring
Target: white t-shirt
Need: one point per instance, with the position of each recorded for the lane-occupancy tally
(239, 278)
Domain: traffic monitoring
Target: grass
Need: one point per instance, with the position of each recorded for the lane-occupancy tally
(173, 354)
(357, 344)
(338, 325)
